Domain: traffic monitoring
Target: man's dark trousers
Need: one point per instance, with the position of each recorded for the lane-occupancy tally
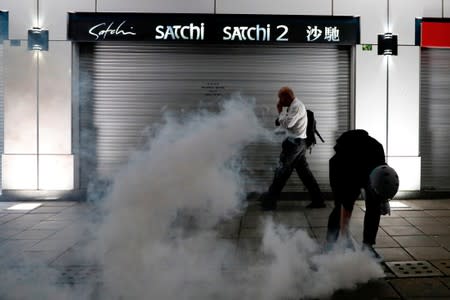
(346, 189)
(292, 157)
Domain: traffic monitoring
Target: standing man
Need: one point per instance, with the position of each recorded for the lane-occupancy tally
(293, 118)
(359, 163)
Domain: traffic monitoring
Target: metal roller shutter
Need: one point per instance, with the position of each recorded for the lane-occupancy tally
(125, 86)
(435, 119)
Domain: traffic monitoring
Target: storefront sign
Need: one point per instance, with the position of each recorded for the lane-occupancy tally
(213, 28)
(434, 33)
(3, 26)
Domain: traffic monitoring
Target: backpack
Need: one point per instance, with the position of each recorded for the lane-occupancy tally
(311, 131)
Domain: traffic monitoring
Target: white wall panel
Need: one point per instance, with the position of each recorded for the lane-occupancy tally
(370, 95)
(19, 172)
(22, 16)
(53, 15)
(403, 13)
(56, 172)
(373, 16)
(288, 7)
(55, 108)
(163, 6)
(446, 8)
(404, 83)
(20, 99)
(408, 170)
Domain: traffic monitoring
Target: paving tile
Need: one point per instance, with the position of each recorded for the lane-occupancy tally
(55, 225)
(401, 230)
(48, 209)
(251, 233)
(9, 217)
(74, 257)
(290, 219)
(420, 287)
(393, 221)
(286, 206)
(67, 216)
(253, 221)
(33, 234)
(416, 241)
(434, 229)
(393, 254)
(439, 212)
(443, 265)
(445, 220)
(26, 221)
(428, 253)
(318, 231)
(446, 281)
(8, 232)
(6, 204)
(60, 203)
(423, 220)
(15, 247)
(431, 204)
(322, 213)
(373, 290)
(228, 229)
(317, 222)
(443, 240)
(249, 244)
(53, 245)
(412, 213)
(71, 232)
(40, 257)
(386, 242)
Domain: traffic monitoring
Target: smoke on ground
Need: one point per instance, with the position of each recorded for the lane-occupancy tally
(158, 238)
(157, 235)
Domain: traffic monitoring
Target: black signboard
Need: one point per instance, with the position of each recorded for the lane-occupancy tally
(213, 28)
(3, 26)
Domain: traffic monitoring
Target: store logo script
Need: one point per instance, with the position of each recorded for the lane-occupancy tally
(102, 30)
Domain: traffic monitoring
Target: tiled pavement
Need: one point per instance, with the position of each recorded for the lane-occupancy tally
(418, 232)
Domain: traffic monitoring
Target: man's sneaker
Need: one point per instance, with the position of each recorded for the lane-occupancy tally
(372, 252)
(316, 205)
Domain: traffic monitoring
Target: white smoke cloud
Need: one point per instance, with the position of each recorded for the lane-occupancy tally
(157, 233)
(158, 239)
(300, 269)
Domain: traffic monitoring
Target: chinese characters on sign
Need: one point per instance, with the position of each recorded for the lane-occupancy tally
(314, 33)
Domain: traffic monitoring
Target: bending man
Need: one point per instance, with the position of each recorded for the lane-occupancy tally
(359, 163)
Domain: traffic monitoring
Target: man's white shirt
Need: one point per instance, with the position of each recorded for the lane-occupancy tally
(294, 119)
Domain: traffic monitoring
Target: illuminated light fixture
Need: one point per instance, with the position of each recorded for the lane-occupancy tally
(38, 39)
(24, 206)
(387, 44)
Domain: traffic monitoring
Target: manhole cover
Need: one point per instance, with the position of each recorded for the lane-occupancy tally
(413, 269)
(442, 265)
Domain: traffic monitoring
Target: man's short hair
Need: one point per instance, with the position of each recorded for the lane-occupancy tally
(286, 91)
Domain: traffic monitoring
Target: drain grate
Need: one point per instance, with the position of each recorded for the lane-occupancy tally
(413, 269)
(442, 265)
